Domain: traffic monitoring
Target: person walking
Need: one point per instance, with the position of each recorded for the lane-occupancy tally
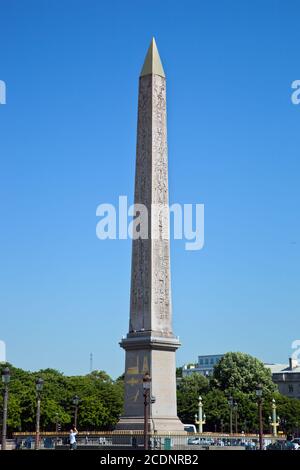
(72, 438)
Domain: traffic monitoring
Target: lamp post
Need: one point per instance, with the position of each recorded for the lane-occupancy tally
(230, 403)
(270, 423)
(274, 419)
(222, 425)
(283, 424)
(146, 394)
(56, 423)
(39, 387)
(200, 419)
(5, 380)
(56, 427)
(235, 407)
(75, 401)
(259, 392)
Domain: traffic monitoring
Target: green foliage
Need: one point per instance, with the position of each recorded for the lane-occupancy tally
(14, 418)
(101, 400)
(216, 410)
(93, 414)
(188, 392)
(241, 372)
(289, 411)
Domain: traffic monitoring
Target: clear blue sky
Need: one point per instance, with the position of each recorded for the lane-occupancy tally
(67, 143)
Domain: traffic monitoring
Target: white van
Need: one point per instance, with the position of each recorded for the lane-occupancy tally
(191, 428)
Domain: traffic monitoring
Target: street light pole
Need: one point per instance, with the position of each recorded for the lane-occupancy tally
(260, 425)
(146, 393)
(5, 380)
(270, 423)
(39, 387)
(259, 392)
(75, 403)
(283, 423)
(235, 406)
(230, 403)
(275, 421)
(56, 427)
(201, 417)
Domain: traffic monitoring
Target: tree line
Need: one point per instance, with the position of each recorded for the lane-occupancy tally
(100, 400)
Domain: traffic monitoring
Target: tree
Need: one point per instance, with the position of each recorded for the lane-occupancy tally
(240, 372)
(101, 375)
(288, 409)
(51, 413)
(101, 399)
(188, 392)
(93, 414)
(13, 415)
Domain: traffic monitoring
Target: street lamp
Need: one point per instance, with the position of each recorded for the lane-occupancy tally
(230, 403)
(5, 380)
(235, 407)
(283, 424)
(259, 392)
(270, 423)
(222, 425)
(146, 394)
(274, 420)
(56, 426)
(39, 387)
(56, 422)
(200, 419)
(75, 401)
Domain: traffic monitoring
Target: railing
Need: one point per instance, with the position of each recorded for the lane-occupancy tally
(88, 440)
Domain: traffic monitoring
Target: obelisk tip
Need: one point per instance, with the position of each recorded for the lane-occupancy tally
(152, 64)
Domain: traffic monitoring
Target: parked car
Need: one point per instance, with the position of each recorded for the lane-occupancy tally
(28, 444)
(200, 441)
(281, 445)
(296, 443)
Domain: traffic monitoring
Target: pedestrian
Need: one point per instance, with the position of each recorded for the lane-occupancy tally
(72, 438)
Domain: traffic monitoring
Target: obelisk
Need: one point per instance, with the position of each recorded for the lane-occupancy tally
(150, 344)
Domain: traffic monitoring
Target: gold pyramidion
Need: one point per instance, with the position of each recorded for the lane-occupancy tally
(152, 64)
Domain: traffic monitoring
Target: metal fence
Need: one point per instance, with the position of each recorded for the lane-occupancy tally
(135, 441)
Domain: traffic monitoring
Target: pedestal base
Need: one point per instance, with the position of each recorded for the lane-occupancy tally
(156, 425)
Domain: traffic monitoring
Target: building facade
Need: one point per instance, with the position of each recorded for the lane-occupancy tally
(287, 377)
(204, 366)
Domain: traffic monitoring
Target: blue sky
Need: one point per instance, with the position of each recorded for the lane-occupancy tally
(67, 144)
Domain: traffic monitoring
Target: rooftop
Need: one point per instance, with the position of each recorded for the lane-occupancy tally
(283, 368)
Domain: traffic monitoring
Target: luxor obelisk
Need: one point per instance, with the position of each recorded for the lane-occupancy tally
(150, 344)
